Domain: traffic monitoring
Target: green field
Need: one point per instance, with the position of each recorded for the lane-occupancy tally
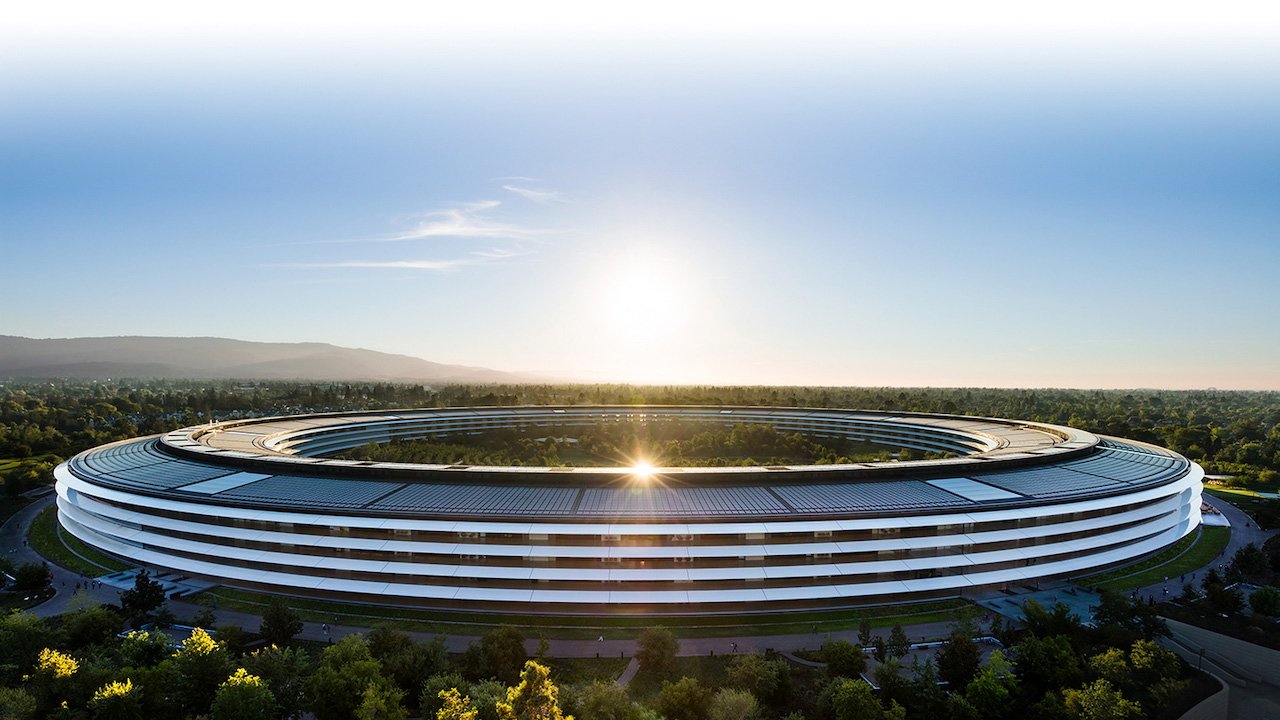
(580, 670)
(457, 623)
(1247, 500)
(66, 550)
(1187, 555)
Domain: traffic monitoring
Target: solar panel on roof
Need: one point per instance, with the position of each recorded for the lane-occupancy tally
(848, 497)
(678, 501)
(313, 491)
(515, 500)
(1048, 481)
(169, 474)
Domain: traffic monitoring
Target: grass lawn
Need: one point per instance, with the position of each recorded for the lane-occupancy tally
(582, 670)
(45, 539)
(710, 671)
(458, 623)
(1246, 500)
(10, 601)
(1187, 555)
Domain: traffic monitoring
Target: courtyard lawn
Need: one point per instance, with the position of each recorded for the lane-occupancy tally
(1187, 555)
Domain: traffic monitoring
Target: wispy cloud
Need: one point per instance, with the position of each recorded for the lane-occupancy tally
(478, 257)
(468, 221)
(542, 197)
(435, 265)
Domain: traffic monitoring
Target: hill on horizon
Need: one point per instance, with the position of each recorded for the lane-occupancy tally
(210, 358)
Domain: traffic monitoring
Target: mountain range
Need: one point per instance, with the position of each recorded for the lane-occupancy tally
(209, 358)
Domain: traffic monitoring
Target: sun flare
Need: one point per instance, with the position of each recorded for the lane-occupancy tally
(642, 469)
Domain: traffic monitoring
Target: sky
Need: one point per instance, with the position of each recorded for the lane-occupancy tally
(996, 195)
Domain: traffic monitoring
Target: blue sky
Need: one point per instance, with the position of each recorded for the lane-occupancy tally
(833, 207)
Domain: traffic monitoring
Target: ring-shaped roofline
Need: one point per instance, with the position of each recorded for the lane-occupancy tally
(290, 443)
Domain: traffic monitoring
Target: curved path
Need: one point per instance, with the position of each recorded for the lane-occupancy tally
(1243, 531)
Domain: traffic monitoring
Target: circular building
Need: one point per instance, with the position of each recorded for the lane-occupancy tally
(256, 504)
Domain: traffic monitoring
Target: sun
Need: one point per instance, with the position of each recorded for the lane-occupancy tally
(642, 469)
(641, 304)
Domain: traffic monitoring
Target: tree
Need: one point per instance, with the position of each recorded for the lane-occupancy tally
(1265, 601)
(958, 660)
(144, 648)
(205, 617)
(1248, 561)
(499, 654)
(733, 704)
(656, 651)
(202, 665)
(142, 599)
(92, 626)
(1111, 665)
(879, 649)
(455, 706)
(769, 680)
(844, 659)
(31, 577)
(404, 660)
(243, 697)
(685, 699)
(22, 637)
(233, 638)
(16, 704)
(927, 698)
(601, 700)
(284, 670)
(279, 623)
(1098, 700)
(1120, 620)
(430, 699)
(1058, 620)
(535, 698)
(959, 708)
(1046, 664)
(486, 695)
(117, 700)
(1152, 663)
(992, 689)
(864, 632)
(51, 681)
(337, 686)
(898, 645)
(1228, 600)
(852, 700)
(381, 700)
(888, 676)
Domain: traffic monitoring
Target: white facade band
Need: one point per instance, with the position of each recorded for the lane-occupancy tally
(244, 504)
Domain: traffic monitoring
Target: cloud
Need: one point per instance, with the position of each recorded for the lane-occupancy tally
(479, 257)
(435, 265)
(542, 197)
(469, 221)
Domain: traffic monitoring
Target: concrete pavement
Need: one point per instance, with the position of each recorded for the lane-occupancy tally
(13, 537)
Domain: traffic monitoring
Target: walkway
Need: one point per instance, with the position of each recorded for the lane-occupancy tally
(629, 672)
(1243, 531)
(12, 538)
(1252, 671)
